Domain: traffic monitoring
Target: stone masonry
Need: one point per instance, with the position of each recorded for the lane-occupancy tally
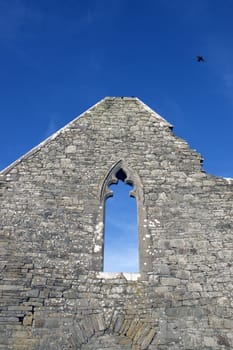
(53, 292)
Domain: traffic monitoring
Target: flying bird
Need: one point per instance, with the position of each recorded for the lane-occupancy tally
(200, 59)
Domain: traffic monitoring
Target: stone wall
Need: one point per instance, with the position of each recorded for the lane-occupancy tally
(53, 294)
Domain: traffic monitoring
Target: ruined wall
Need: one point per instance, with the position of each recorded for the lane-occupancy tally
(53, 294)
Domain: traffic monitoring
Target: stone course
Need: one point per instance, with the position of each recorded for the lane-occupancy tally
(53, 293)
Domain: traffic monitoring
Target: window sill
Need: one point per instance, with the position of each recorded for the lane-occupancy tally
(129, 276)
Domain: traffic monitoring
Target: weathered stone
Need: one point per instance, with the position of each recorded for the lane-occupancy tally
(148, 339)
(170, 281)
(209, 342)
(194, 287)
(53, 292)
(27, 320)
(118, 323)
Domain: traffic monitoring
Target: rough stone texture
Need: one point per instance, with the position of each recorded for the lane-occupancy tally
(53, 294)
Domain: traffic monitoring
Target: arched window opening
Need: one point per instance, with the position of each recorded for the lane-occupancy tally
(121, 248)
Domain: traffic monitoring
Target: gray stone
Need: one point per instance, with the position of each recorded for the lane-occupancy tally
(53, 292)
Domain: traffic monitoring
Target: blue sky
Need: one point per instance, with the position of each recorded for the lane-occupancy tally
(121, 243)
(58, 58)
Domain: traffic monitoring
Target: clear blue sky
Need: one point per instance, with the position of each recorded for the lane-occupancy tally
(59, 57)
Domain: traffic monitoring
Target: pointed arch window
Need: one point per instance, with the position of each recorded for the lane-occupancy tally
(120, 172)
(120, 249)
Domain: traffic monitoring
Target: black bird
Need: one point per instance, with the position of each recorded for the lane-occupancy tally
(200, 59)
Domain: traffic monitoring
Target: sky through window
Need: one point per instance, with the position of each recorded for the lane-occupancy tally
(121, 234)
